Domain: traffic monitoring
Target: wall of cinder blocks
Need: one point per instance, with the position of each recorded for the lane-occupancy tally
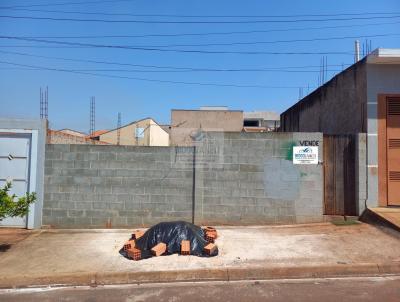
(233, 178)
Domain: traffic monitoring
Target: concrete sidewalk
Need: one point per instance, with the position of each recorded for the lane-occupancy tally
(90, 257)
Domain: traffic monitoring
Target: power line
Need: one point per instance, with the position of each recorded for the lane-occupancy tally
(173, 50)
(41, 46)
(257, 42)
(183, 71)
(63, 3)
(146, 79)
(260, 42)
(166, 67)
(212, 33)
(199, 16)
(195, 22)
(269, 42)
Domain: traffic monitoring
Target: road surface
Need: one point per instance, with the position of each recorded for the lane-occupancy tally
(365, 289)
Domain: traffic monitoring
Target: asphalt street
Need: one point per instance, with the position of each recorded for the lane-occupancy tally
(365, 289)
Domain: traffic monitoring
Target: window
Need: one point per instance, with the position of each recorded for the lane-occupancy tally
(251, 123)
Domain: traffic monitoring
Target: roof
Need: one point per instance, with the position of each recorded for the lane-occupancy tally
(75, 132)
(221, 108)
(384, 56)
(265, 115)
(202, 110)
(166, 128)
(97, 133)
(134, 122)
(77, 138)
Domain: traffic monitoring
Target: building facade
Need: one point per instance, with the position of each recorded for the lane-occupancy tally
(187, 124)
(364, 98)
(145, 132)
(67, 137)
(260, 121)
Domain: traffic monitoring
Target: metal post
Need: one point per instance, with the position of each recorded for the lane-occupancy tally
(194, 185)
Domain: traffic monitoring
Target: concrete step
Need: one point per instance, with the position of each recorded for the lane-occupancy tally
(384, 216)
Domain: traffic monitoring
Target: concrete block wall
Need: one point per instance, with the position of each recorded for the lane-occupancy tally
(240, 178)
(115, 186)
(257, 183)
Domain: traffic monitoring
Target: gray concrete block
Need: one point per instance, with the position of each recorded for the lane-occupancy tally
(127, 190)
(76, 213)
(106, 156)
(82, 205)
(53, 155)
(100, 213)
(81, 164)
(103, 189)
(98, 205)
(132, 205)
(61, 164)
(116, 205)
(59, 213)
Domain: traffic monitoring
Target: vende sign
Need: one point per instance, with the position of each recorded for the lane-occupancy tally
(305, 155)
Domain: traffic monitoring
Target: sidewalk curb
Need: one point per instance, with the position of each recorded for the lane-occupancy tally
(217, 274)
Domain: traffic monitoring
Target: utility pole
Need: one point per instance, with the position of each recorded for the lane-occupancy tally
(92, 115)
(44, 103)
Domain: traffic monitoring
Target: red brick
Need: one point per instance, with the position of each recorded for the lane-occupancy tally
(134, 253)
(211, 230)
(210, 237)
(137, 234)
(159, 249)
(129, 244)
(210, 248)
(185, 247)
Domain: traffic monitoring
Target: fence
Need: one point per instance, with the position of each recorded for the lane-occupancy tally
(227, 178)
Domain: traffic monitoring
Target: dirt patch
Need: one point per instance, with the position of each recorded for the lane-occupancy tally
(10, 237)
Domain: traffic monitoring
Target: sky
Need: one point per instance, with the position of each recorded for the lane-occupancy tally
(144, 58)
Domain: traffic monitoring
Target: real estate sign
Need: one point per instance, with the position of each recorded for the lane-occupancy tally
(305, 155)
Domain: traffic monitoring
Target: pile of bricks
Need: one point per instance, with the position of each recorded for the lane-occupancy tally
(210, 235)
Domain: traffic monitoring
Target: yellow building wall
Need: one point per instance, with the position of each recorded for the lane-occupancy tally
(149, 134)
(158, 136)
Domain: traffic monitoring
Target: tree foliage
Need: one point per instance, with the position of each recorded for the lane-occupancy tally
(10, 207)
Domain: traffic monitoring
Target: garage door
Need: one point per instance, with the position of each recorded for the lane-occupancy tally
(393, 150)
(14, 165)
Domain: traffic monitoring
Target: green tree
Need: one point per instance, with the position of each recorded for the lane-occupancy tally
(9, 207)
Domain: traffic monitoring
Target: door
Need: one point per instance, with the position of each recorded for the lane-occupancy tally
(393, 150)
(14, 165)
(339, 175)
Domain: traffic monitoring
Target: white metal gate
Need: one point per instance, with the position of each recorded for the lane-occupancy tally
(14, 166)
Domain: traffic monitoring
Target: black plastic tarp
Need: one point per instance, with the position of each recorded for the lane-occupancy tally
(172, 234)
